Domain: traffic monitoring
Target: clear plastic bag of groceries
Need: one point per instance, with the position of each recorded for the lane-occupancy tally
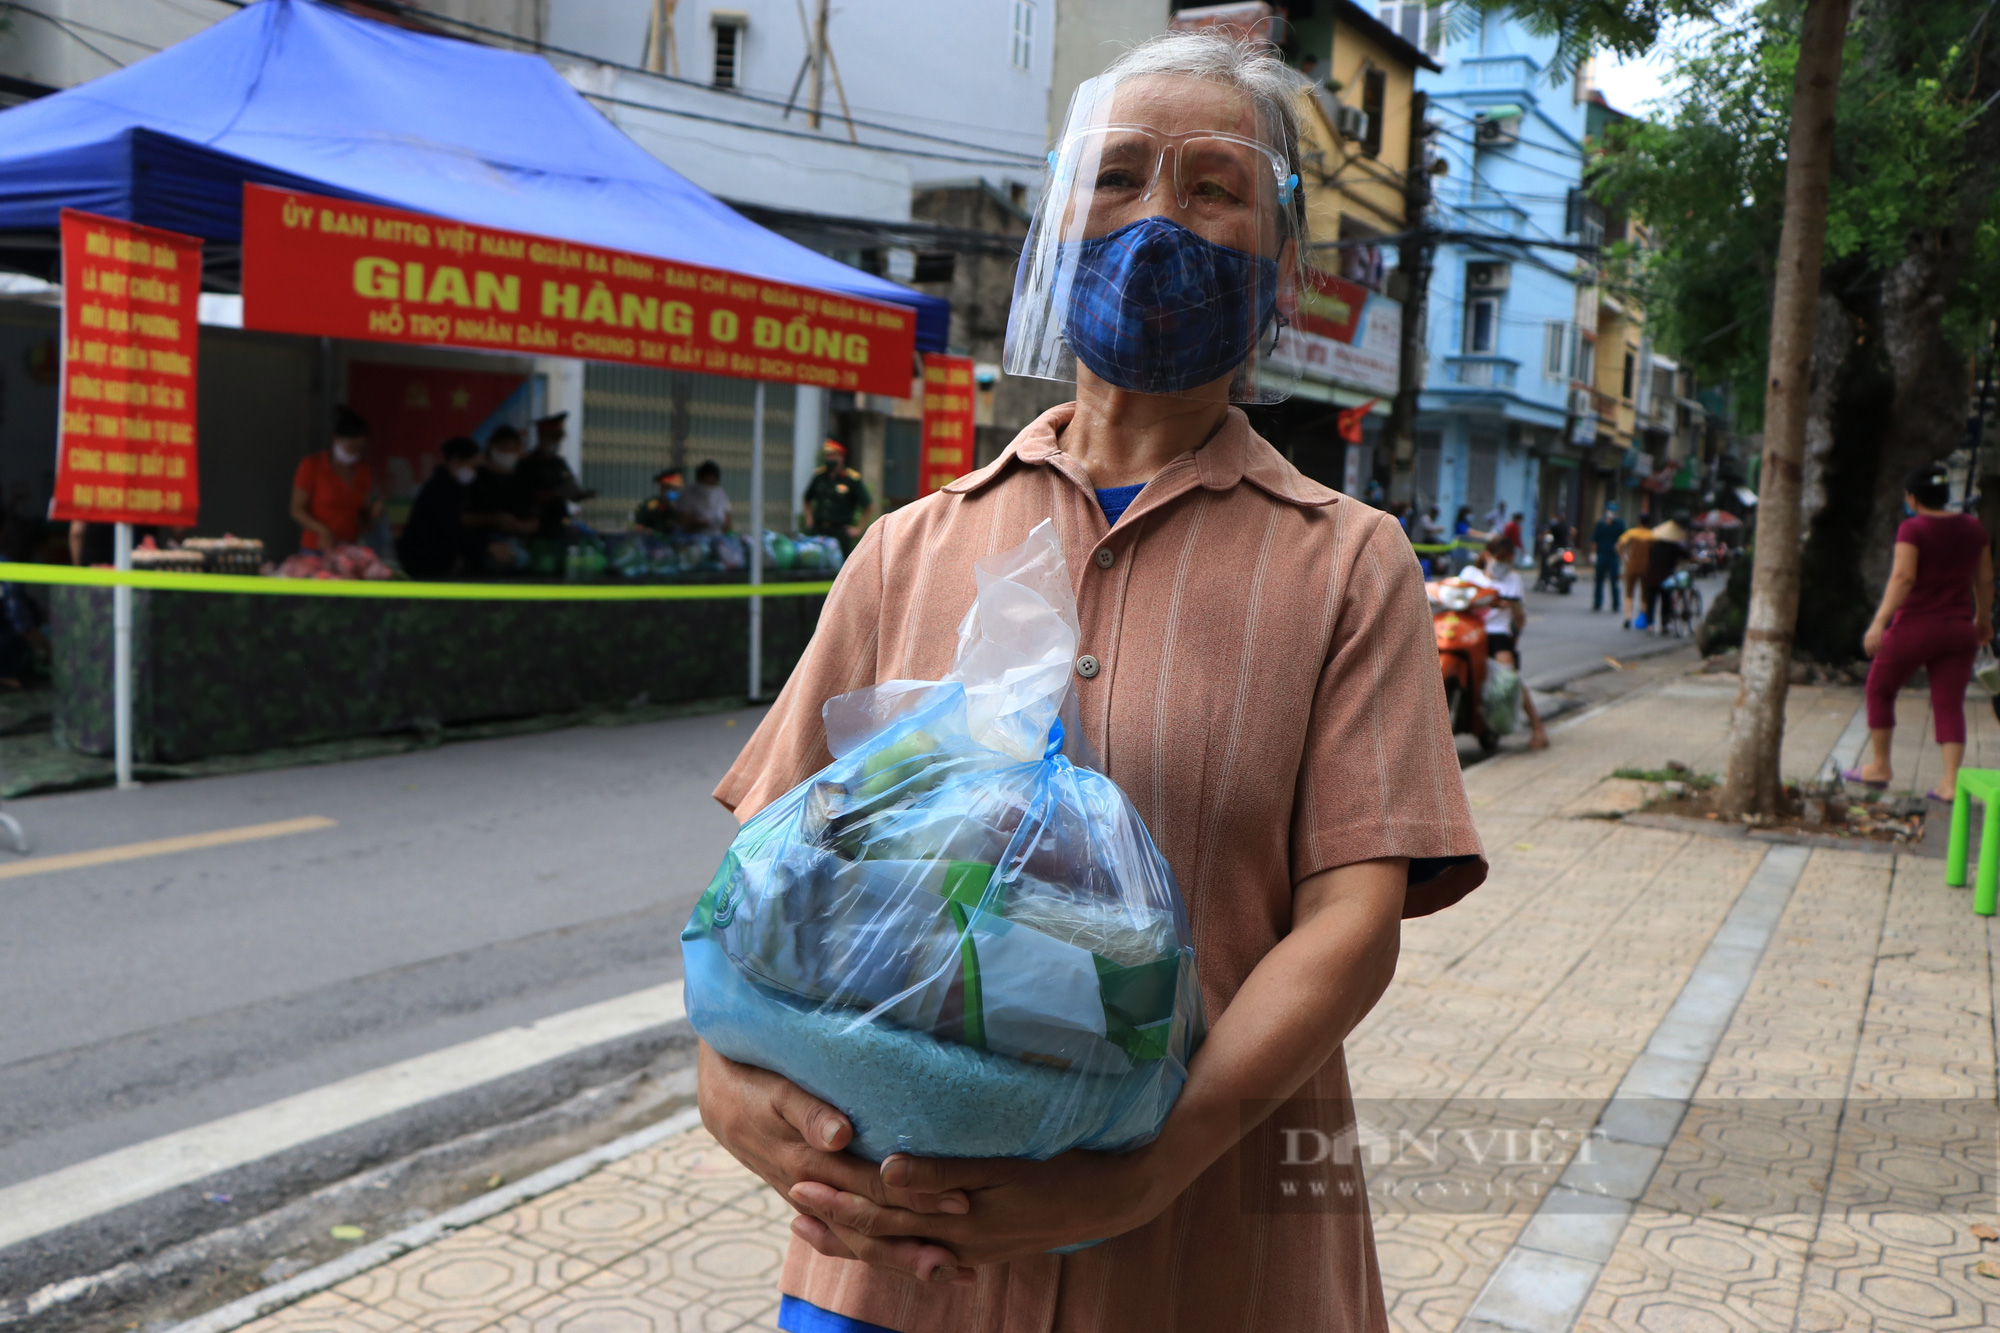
(1500, 701)
(962, 939)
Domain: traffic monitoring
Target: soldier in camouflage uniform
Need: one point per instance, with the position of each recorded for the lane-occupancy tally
(837, 500)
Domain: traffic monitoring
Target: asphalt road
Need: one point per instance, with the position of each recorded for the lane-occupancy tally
(1565, 639)
(461, 891)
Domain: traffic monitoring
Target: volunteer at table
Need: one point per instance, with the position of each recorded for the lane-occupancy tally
(333, 493)
(661, 513)
(704, 507)
(1257, 669)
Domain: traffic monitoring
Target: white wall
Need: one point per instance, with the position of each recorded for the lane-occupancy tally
(939, 68)
(60, 54)
(1090, 34)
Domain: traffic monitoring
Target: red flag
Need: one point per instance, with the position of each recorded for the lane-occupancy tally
(1350, 421)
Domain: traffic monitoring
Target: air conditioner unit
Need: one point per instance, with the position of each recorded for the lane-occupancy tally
(1579, 402)
(1486, 278)
(1351, 122)
(1492, 130)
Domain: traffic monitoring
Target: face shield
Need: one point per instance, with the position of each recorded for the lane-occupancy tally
(1163, 257)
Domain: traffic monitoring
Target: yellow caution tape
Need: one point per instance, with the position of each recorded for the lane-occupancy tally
(401, 589)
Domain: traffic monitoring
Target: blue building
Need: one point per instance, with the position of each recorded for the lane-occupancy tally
(1511, 327)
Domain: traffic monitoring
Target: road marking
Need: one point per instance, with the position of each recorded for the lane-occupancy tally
(187, 842)
(62, 1198)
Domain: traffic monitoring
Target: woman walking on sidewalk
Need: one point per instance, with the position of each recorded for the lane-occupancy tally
(1259, 673)
(1936, 611)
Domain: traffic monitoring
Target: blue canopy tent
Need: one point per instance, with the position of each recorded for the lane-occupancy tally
(300, 95)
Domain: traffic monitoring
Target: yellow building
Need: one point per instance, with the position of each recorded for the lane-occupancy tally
(1341, 351)
(1356, 141)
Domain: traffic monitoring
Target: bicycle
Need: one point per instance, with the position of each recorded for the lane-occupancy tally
(1680, 603)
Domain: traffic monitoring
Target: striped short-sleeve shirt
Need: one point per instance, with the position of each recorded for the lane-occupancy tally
(1265, 688)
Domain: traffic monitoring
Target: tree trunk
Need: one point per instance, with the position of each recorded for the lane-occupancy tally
(1927, 420)
(1933, 378)
(1757, 727)
(1833, 338)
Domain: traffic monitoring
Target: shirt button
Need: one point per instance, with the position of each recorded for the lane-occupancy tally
(1088, 667)
(1104, 557)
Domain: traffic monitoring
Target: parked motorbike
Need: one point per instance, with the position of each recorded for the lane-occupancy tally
(1458, 622)
(1558, 572)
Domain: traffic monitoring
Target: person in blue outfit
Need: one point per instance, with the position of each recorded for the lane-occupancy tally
(1605, 538)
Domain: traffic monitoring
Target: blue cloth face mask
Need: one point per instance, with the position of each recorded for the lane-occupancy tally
(1154, 308)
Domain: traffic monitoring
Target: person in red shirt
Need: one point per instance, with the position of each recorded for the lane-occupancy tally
(1936, 611)
(1512, 532)
(332, 491)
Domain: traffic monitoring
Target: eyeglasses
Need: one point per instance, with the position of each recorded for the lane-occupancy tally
(1210, 170)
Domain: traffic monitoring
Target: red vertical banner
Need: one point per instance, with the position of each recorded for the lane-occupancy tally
(947, 420)
(125, 450)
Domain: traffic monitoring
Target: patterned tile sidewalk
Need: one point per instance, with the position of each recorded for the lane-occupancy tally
(1826, 1177)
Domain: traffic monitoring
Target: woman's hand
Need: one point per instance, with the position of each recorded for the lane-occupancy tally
(1018, 1208)
(1983, 627)
(1871, 642)
(786, 1135)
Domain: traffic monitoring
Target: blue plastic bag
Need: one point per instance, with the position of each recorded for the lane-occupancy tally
(956, 933)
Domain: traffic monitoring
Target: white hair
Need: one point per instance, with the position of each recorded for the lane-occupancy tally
(1249, 64)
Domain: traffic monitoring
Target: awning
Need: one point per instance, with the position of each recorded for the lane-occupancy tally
(299, 95)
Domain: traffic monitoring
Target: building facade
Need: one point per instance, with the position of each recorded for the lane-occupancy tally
(1339, 355)
(1515, 327)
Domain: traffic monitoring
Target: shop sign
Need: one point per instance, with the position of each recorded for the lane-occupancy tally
(125, 452)
(948, 408)
(334, 268)
(1344, 334)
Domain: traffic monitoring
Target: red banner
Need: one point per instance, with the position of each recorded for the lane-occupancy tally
(332, 268)
(947, 420)
(125, 452)
(412, 410)
(1330, 305)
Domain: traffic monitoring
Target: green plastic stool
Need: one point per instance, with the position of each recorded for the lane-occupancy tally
(1982, 785)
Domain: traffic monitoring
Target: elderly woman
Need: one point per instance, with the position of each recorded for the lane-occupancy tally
(1257, 671)
(1936, 610)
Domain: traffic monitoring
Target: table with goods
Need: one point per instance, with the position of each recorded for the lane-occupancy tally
(218, 673)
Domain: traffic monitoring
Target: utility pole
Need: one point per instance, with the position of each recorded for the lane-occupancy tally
(1413, 259)
(818, 64)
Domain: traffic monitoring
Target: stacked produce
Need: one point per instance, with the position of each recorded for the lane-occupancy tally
(153, 558)
(633, 555)
(352, 561)
(962, 939)
(227, 554)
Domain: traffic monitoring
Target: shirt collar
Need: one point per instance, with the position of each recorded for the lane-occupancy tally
(1234, 453)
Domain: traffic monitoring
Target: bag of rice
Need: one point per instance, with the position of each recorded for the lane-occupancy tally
(959, 932)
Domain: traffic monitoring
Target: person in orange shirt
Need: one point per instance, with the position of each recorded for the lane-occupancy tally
(332, 492)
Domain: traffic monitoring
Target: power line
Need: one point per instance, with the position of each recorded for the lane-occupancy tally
(1525, 166)
(63, 26)
(739, 94)
(1575, 153)
(790, 134)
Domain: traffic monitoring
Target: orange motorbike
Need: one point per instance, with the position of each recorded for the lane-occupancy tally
(1458, 621)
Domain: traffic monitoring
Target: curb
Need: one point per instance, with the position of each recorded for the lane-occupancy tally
(319, 1138)
(393, 1246)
